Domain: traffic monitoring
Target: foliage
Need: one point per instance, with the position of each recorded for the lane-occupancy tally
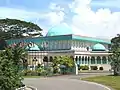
(94, 67)
(100, 68)
(115, 56)
(12, 28)
(39, 71)
(62, 61)
(67, 61)
(84, 67)
(10, 75)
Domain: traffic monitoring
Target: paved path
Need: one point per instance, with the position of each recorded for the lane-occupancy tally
(62, 83)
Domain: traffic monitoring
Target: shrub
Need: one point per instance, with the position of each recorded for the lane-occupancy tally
(100, 68)
(10, 72)
(29, 73)
(44, 72)
(84, 67)
(94, 67)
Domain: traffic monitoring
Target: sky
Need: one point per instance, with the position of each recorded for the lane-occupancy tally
(95, 18)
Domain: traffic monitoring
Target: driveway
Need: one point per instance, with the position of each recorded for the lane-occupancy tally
(63, 83)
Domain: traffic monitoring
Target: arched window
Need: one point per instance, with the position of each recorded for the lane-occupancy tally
(80, 60)
(92, 60)
(76, 59)
(98, 60)
(104, 60)
(83, 60)
(45, 59)
(51, 59)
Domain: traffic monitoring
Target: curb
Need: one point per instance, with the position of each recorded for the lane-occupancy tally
(101, 85)
(33, 88)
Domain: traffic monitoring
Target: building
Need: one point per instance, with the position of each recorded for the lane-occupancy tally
(61, 41)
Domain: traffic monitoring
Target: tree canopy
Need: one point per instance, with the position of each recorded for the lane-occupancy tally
(10, 62)
(65, 61)
(13, 28)
(115, 57)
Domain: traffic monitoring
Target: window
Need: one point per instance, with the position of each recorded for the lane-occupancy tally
(82, 60)
(98, 60)
(85, 60)
(104, 61)
(92, 60)
(79, 59)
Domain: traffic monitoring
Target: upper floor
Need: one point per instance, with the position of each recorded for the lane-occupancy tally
(63, 42)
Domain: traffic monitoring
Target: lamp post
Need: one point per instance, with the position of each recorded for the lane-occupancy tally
(34, 61)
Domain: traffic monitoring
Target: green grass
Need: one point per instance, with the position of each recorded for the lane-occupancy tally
(31, 76)
(112, 81)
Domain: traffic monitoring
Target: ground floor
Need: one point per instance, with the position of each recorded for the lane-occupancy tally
(99, 59)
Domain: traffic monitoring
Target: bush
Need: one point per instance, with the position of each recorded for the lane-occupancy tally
(94, 67)
(100, 68)
(84, 67)
(29, 73)
(10, 73)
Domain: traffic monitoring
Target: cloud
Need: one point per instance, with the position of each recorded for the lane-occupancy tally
(50, 18)
(57, 13)
(100, 23)
(84, 20)
(19, 14)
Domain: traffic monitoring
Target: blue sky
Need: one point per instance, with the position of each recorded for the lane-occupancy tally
(84, 16)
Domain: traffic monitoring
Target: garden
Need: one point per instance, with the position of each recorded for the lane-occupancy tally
(13, 67)
(59, 66)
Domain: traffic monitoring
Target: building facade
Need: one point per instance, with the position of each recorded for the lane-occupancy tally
(61, 41)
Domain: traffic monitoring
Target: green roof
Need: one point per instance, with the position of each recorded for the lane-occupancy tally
(39, 40)
(91, 39)
(61, 29)
(98, 47)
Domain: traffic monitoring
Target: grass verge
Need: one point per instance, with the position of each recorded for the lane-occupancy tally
(112, 81)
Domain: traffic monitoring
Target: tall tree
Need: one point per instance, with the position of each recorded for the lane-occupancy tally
(10, 61)
(13, 28)
(115, 56)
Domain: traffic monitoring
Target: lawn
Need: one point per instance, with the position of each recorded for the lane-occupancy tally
(112, 81)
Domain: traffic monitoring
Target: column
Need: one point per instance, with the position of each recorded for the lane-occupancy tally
(95, 60)
(76, 67)
(87, 60)
(90, 60)
(101, 59)
(107, 60)
(84, 60)
(81, 59)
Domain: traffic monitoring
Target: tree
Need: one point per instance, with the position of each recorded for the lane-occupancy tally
(115, 56)
(13, 28)
(62, 61)
(10, 74)
(67, 61)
